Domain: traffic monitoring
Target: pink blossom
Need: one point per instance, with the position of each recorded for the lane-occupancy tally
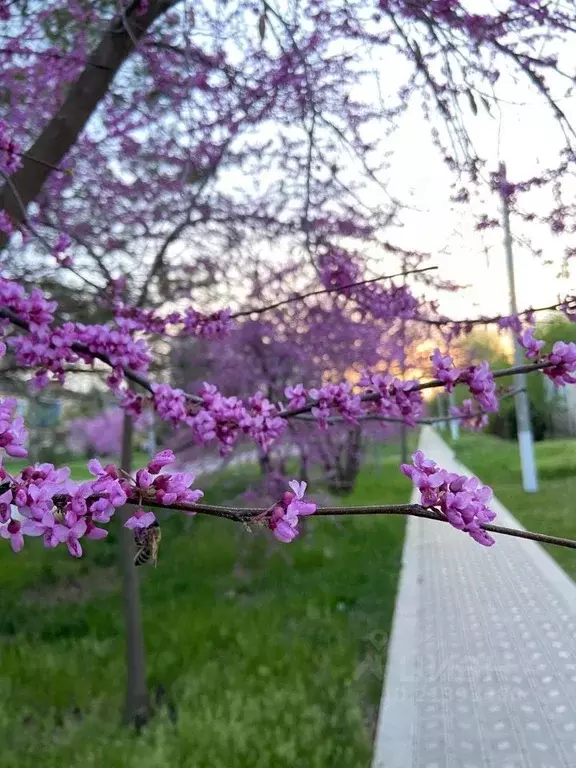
(461, 500)
(298, 506)
(563, 360)
(337, 397)
(470, 417)
(175, 489)
(296, 396)
(144, 479)
(161, 460)
(283, 520)
(45, 526)
(531, 345)
(5, 506)
(71, 532)
(394, 397)
(444, 369)
(94, 533)
(12, 531)
(216, 325)
(482, 386)
(13, 434)
(140, 519)
(512, 322)
(169, 403)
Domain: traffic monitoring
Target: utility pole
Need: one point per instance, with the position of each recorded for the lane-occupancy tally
(454, 423)
(523, 422)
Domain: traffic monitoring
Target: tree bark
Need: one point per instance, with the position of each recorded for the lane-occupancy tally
(84, 96)
(137, 706)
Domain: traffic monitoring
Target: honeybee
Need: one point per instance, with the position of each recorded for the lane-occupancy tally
(148, 541)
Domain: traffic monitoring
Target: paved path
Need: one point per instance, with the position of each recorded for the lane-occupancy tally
(482, 657)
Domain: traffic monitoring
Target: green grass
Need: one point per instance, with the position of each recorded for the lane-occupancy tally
(273, 655)
(551, 509)
(78, 466)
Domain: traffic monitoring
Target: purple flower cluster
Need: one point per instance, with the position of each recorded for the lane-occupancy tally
(386, 303)
(213, 326)
(63, 512)
(338, 269)
(283, 520)
(297, 396)
(482, 386)
(562, 359)
(479, 379)
(164, 487)
(60, 249)
(32, 492)
(263, 423)
(220, 418)
(444, 369)
(510, 322)
(461, 500)
(9, 150)
(116, 344)
(563, 363)
(469, 416)
(169, 403)
(393, 397)
(191, 322)
(49, 349)
(336, 397)
(13, 434)
(530, 344)
(34, 308)
(138, 319)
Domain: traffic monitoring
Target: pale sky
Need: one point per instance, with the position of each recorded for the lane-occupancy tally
(523, 133)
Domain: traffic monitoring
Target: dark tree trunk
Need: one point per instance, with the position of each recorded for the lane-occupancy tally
(304, 474)
(265, 463)
(137, 708)
(347, 464)
(84, 96)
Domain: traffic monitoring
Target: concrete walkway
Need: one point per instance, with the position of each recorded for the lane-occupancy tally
(481, 664)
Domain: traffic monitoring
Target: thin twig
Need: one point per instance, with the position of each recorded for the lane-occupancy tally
(374, 397)
(84, 350)
(13, 151)
(260, 514)
(569, 300)
(395, 420)
(301, 296)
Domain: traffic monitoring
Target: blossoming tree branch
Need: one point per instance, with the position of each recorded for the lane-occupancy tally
(152, 150)
(64, 512)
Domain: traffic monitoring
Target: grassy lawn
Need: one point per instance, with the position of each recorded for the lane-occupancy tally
(551, 509)
(271, 654)
(78, 466)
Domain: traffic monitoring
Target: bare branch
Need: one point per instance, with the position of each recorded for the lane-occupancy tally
(301, 296)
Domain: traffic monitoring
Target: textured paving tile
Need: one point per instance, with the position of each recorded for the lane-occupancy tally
(482, 658)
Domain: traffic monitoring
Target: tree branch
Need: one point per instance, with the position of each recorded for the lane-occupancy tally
(260, 514)
(301, 296)
(82, 99)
